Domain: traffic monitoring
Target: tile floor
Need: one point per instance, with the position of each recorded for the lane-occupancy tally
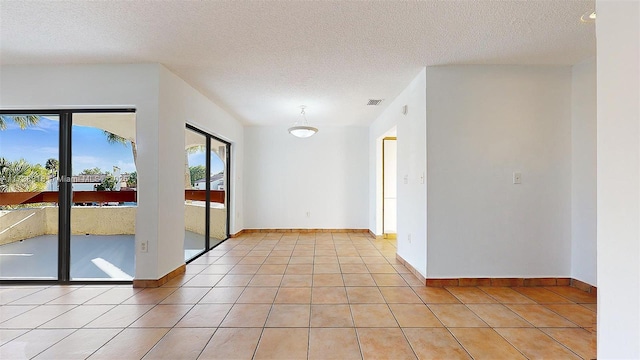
(295, 296)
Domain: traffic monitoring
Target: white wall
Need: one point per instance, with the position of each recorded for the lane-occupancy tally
(412, 164)
(583, 172)
(618, 34)
(286, 177)
(483, 124)
(163, 102)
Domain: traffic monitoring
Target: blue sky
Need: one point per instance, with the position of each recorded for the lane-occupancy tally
(89, 148)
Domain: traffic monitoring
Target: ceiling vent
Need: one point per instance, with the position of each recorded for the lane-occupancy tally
(374, 102)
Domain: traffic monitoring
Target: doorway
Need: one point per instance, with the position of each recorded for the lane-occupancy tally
(389, 187)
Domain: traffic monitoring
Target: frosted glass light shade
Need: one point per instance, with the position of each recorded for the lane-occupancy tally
(302, 131)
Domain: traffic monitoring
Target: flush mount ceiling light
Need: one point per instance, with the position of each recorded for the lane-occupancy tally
(589, 16)
(302, 129)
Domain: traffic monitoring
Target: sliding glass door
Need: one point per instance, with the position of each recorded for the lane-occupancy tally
(60, 217)
(206, 192)
(29, 167)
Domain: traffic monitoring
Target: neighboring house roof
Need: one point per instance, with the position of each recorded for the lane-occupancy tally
(213, 178)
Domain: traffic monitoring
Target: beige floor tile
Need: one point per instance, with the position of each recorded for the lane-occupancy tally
(120, 316)
(381, 268)
(384, 344)
(338, 344)
(79, 345)
(277, 343)
(332, 316)
(217, 269)
(541, 295)
(293, 296)
(36, 317)
(378, 260)
(287, 315)
(130, 344)
(506, 295)
(328, 280)
(435, 295)
(364, 295)
(181, 343)
(204, 280)
(10, 295)
(186, 295)
(576, 339)
(247, 315)
(456, 315)
(193, 268)
(150, 296)
(79, 296)
(350, 259)
(178, 281)
(497, 315)
(113, 296)
(205, 315)
(414, 315)
(219, 295)
(9, 311)
(234, 280)
(7, 335)
(258, 295)
(232, 344)
(470, 295)
(389, 280)
(272, 269)
(245, 269)
(77, 317)
(575, 313)
(162, 316)
(329, 295)
(45, 295)
(573, 294)
(485, 344)
(540, 316)
(354, 269)
(281, 253)
(326, 268)
(299, 269)
(358, 280)
(411, 279)
(277, 260)
(535, 344)
(372, 315)
(301, 260)
(297, 281)
(266, 280)
(401, 295)
(592, 307)
(250, 260)
(435, 343)
(32, 343)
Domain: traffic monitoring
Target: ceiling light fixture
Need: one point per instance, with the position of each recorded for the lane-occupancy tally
(589, 16)
(303, 130)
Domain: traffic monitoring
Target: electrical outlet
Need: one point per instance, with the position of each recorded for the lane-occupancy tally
(517, 178)
(308, 213)
(144, 246)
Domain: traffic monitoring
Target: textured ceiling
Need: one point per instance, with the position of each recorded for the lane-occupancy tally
(261, 60)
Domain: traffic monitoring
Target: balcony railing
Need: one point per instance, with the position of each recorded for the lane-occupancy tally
(18, 198)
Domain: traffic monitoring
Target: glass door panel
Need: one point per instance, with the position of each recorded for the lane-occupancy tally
(195, 185)
(104, 201)
(29, 151)
(218, 193)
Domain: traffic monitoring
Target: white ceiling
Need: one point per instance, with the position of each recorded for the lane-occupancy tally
(261, 60)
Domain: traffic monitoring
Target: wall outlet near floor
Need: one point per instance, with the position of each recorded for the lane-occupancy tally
(517, 178)
(308, 213)
(144, 246)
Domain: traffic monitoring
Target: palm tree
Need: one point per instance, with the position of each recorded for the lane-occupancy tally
(17, 176)
(52, 165)
(187, 172)
(117, 139)
(23, 121)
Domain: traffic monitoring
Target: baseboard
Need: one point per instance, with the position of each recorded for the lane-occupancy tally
(372, 234)
(303, 231)
(237, 234)
(525, 282)
(411, 268)
(163, 280)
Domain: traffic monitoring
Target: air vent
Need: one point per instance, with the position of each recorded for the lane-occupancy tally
(374, 102)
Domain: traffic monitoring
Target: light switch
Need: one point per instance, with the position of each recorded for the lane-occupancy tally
(517, 178)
